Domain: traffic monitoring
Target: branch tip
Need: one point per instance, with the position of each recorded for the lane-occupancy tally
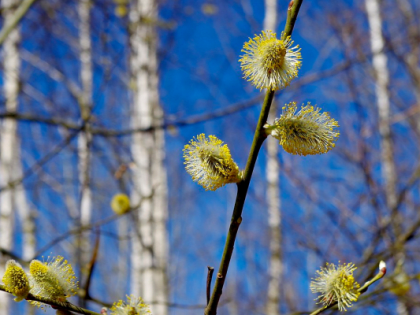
(382, 268)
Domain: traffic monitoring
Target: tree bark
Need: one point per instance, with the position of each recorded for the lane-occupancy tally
(85, 136)
(149, 245)
(13, 199)
(379, 61)
(273, 194)
(380, 68)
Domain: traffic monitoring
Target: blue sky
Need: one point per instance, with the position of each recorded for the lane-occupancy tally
(325, 200)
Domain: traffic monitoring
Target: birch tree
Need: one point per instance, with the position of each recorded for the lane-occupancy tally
(13, 198)
(85, 136)
(381, 77)
(273, 193)
(379, 61)
(149, 243)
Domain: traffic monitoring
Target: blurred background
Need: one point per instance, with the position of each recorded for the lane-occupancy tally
(100, 97)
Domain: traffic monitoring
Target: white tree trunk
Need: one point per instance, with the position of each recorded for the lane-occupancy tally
(85, 137)
(149, 245)
(270, 17)
(379, 61)
(273, 194)
(13, 199)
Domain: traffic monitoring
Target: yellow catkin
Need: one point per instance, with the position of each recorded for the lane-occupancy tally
(133, 306)
(270, 63)
(306, 132)
(16, 281)
(53, 279)
(209, 162)
(336, 284)
(120, 204)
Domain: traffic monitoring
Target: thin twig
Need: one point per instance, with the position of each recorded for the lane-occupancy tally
(76, 231)
(46, 158)
(361, 290)
(17, 16)
(210, 271)
(12, 255)
(92, 266)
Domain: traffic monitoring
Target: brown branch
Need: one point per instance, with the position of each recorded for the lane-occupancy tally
(259, 137)
(92, 266)
(210, 271)
(55, 304)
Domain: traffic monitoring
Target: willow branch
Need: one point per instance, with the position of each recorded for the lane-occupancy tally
(236, 219)
(210, 271)
(361, 290)
(55, 304)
